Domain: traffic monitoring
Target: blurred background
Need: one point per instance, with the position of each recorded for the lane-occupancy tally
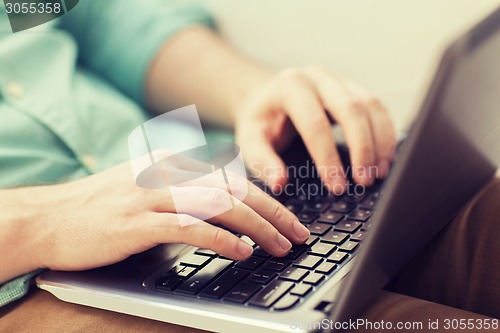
(389, 46)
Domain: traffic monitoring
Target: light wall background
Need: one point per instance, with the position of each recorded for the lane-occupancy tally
(389, 46)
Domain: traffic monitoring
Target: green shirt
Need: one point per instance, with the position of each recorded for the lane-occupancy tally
(71, 92)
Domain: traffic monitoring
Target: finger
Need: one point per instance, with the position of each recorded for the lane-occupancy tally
(382, 128)
(352, 117)
(165, 228)
(217, 205)
(309, 118)
(243, 190)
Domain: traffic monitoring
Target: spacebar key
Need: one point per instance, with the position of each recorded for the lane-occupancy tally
(195, 283)
(270, 294)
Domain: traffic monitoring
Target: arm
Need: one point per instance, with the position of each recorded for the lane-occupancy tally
(46, 226)
(198, 67)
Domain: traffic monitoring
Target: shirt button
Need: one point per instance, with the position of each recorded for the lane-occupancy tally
(89, 161)
(15, 89)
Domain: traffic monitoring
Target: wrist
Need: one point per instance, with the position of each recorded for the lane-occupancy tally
(249, 83)
(26, 231)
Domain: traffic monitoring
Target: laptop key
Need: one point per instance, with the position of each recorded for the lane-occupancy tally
(342, 206)
(301, 198)
(324, 306)
(168, 283)
(296, 251)
(355, 197)
(205, 252)
(317, 228)
(259, 252)
(294, 207)
(185, 272)
(367, 226)
(359, 236)
(286, 302)
(326, 267)
(248, 240)
(319, 207)
(369, 203)
(314, 278)
(337, 257)
(301, 289)
(277, 264)
(360, 214)
(330, 217)
(251, 263)
(308, 261)
(293, 274)
(330, 197)
(307, 217)
(224, 283)
(270, 294)
(311, 240)
(195, 260)
(348, 226)
(262, 276)
(242, 292)
(349, 246)
(335, 237)
(322, 249)
(195, 283)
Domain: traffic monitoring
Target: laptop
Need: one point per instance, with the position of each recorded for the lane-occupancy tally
(358, 242)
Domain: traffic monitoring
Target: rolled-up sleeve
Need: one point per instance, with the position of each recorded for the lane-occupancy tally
(16, 288)
(120, 38)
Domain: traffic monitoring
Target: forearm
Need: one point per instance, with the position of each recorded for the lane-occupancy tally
(198, 67)
(20, 232)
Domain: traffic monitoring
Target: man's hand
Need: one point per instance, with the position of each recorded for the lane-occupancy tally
(106, 217)
(303, 100)
(198, 67)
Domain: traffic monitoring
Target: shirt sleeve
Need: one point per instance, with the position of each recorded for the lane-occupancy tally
(16, 288)
(119, 38)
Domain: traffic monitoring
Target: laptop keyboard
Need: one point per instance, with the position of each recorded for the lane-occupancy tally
(338, 226)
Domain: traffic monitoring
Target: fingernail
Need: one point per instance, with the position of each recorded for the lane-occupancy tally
(244, 249)
(382, 168)
(300, 231)
(284, 243)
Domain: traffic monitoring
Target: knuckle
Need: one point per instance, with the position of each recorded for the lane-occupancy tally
(356, 108)
(181, 232)
(217, 198)
(140, 197)
(238, 187)
(373, 103)
(262, 228)
(217, 238)
(277, 212)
